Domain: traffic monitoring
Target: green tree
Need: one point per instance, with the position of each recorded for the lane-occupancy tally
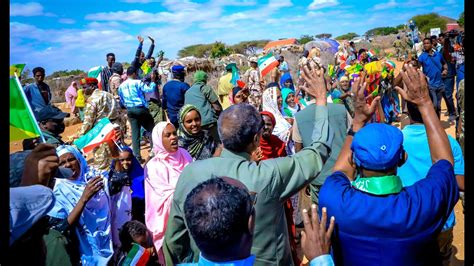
(461, 19)
(126, 65)
(65, 73)
(197, 50)
(323, 35)
(248, 47)
(382, 31)
(347, 36)
(219, 50)
(305, 39)
(426, 22)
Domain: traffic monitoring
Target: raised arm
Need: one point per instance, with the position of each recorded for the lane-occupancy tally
(296, 171)
(362, 114)
(417, 93)
(152, 47)
(136, 60)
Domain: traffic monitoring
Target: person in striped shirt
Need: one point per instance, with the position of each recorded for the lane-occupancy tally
(106, 72)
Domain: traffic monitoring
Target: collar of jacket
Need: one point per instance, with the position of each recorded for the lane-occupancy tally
(237, 155)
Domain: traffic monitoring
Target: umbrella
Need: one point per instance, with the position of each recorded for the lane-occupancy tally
(325, 45)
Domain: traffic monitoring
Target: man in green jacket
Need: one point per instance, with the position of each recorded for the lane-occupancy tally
(340, 121)
(275, 180)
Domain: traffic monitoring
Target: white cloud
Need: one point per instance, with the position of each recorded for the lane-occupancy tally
(141, 17)
(318, 4)
(104, 25)
(79, 46)
(388, 5)
(30, 9)
(66, 21)
(277, 4)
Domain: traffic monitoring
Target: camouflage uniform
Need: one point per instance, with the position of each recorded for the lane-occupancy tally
(255, 87)
(99, 105)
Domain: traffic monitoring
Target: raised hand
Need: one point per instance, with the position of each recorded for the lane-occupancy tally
(92, 187)
(315, 239)
(362, 111)
(140, 39)
(315, 84)
(40, 165)
(417, 88)
(151, 39)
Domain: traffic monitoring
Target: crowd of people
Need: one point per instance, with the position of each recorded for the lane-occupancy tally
(239, 174)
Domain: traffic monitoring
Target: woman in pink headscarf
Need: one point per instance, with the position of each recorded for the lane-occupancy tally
(161, 175)
(71, 95)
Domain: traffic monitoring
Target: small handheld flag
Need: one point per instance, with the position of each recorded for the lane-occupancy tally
(266, 64)
(102, 132)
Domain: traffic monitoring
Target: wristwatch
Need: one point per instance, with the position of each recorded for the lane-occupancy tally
(351, 132)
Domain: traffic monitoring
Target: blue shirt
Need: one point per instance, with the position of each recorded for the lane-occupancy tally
(132, 93)
(432, 67)
(35, 98)
(173, 98)
(323, 260)
(396, 229)
(415, 143)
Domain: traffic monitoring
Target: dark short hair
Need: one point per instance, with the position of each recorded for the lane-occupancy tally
(414, 113)
(441, 35)
(38, 69)
(351, 43)
(433, 37)
(429, 39)
(131, 70)
(237, 126)
(128, 231)
(217, 214)
(361, 50)
(110, 54)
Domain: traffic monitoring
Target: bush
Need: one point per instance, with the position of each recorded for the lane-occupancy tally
(428, 21)
(347, 36)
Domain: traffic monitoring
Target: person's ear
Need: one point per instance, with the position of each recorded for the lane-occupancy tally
(256, 139)
(353, 164)
(403, 158)
(251, 222)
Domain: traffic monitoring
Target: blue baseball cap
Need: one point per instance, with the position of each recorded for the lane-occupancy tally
(377, 146)
(177, 68)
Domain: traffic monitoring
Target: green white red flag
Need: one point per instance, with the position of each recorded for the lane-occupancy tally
(266, 64)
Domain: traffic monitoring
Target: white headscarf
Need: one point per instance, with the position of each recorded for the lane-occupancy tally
(269, 103)
(93, 228)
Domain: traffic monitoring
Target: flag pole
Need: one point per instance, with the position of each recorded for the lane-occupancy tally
(29, 108)
(118, 146)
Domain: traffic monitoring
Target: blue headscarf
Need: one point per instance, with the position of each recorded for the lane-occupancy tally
(136, 174)
(93, 227)
(284, 78)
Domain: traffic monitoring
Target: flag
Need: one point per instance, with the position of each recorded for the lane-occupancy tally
(94, 72)
(145, 67)
(102, 132)
(16, 68)
(371, 53)
(137, 256)
(23, 124)
(266, 64)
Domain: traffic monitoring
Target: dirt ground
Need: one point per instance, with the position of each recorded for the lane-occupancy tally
(458, 242)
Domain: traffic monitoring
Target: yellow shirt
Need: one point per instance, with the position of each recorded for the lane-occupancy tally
(80, 100)
(224, 88)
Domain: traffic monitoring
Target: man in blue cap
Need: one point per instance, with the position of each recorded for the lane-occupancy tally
(382, 223)
(173, 94)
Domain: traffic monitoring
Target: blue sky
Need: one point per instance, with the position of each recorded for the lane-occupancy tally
(62, 35)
